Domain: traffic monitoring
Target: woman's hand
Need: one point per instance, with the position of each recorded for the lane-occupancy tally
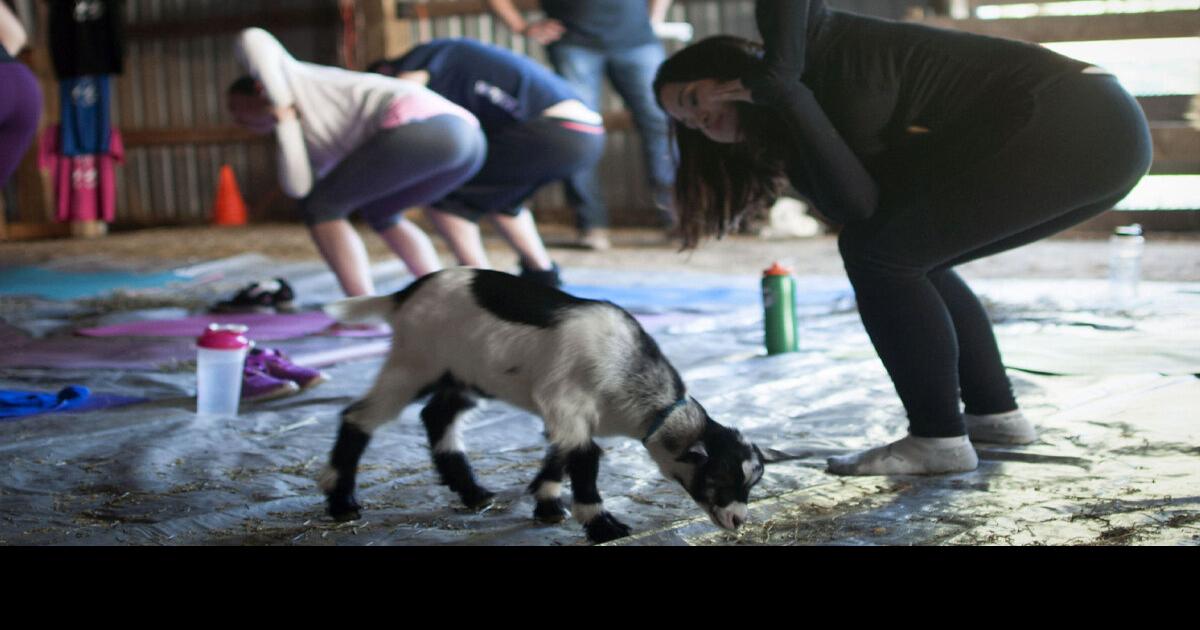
(725, 91)
(544, 31)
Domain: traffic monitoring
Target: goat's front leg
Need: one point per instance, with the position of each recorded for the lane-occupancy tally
(547, 488)
(583, 464)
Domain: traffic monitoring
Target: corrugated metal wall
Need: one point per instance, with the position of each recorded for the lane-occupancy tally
(176, 69)
(179, 60)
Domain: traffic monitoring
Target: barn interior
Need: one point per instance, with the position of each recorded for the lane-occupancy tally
(114, 307)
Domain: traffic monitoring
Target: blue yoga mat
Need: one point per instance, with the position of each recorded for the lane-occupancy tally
(694, 299)
(63, 285)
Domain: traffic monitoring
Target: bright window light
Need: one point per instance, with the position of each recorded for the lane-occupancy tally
(1084, 7)
(1170, 65)
(1164, 192)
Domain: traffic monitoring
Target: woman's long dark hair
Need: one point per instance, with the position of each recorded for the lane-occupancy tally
(716, 185)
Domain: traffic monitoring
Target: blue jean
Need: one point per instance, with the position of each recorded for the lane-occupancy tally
(521, 158)
(631, 72)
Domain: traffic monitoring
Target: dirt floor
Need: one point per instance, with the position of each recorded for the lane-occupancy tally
(1169, 257)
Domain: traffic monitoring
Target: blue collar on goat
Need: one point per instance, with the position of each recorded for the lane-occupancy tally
(661, 417)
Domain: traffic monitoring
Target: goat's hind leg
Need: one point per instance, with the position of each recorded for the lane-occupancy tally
(440, 416)
(547, 488)
(388, 397)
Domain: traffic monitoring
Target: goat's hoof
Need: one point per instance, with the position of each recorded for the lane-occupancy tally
(345, 509)
(604, 528)
(478, 499)
(550, 511)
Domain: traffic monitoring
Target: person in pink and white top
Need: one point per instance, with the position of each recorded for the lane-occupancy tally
(355, 141)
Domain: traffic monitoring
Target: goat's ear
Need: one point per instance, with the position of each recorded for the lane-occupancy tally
(696, 454)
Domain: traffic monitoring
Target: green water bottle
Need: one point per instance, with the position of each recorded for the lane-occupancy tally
(779, 309)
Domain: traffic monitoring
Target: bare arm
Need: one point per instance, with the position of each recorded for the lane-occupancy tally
(416, 76)
(827, 169)
(508, 13)
(541, 31)
(264, 57)
(658, 10)
(12, 33)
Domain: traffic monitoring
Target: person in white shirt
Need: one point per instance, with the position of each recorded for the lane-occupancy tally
(355, 141)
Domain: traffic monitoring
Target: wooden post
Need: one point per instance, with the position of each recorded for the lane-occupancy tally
(386, 35)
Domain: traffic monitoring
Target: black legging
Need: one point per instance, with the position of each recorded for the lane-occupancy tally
(521, 158)
(1083, 148)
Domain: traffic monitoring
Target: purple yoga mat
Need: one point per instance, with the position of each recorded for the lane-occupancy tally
(20, 351)
(263, 326)
(149, 353)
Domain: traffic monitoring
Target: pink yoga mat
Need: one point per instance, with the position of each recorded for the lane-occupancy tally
(148, 353)
(263, 326)
(21, 351)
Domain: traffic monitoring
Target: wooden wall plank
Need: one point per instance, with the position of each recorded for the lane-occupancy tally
(1177, 144)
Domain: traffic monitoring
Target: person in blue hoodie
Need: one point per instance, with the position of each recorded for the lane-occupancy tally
(586, 41)
(537, 129)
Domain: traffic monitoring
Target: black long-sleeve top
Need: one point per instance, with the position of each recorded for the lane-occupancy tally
(849, 87)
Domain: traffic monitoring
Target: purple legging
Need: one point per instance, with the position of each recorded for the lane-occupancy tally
(20, 108)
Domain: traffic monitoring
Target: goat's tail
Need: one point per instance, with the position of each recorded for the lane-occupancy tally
(369, 308)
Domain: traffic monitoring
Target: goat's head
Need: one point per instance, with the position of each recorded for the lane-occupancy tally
(718, 468)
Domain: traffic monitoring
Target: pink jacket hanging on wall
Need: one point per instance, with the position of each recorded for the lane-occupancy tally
(85, 186)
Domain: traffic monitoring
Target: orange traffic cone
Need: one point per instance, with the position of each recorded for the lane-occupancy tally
(230, 208)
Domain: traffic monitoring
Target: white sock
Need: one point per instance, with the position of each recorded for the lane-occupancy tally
(1002, 428)
(910, 456)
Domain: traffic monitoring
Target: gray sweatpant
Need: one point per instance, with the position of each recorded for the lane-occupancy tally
(411, 165)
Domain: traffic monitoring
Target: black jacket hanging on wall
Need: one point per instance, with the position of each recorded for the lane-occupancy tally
(85, 37)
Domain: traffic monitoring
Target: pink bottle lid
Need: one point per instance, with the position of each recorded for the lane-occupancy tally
(224, 337)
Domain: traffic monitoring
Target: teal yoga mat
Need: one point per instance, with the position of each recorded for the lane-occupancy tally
(62, 285)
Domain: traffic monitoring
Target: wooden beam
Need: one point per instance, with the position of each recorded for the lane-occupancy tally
(169, 136)
(1152, 221)
(1081, 28)
(446, 8)
(1176, 149)
(1166, 108)
(218, 25)
(450, 8)
(26, 231)
(981, 3)
(387, 29)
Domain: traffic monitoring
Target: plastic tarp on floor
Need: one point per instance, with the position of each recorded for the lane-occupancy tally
(1114, 393)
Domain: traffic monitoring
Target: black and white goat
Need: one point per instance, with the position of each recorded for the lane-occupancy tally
(585, 366)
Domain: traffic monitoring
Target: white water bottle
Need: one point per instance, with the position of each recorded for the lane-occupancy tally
(221, 354)
(1125, 249)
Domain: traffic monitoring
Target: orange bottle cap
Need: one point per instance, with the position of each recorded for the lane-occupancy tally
(777, 270)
